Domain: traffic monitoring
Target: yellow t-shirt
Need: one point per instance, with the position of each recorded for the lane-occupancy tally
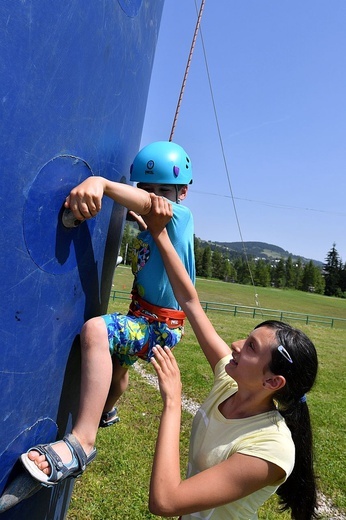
(215, 438)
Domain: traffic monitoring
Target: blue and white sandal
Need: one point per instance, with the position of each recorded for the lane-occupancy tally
(109, 418)
(59, 470)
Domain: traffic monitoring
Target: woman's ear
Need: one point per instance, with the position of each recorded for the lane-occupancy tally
(274, 382)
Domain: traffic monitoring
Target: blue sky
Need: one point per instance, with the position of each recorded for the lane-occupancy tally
(278, 78)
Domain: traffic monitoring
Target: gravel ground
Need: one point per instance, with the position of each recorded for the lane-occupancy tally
(326, 509)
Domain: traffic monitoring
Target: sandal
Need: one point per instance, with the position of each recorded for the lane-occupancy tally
(59, 470)
(109, 418)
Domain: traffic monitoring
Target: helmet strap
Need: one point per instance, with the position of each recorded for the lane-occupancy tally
(176, 194)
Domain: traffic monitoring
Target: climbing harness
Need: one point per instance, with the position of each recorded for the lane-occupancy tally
(171, 317)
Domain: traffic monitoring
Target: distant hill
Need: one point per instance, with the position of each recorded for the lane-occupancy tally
(256, 250)
(253, 249)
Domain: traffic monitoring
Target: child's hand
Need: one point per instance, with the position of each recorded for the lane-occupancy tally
(168, 374)
(85, 200)
(160, 214)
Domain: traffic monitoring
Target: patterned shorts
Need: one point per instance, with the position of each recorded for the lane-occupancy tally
(131, 337)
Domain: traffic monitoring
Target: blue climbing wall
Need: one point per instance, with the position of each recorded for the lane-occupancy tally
(74, 83)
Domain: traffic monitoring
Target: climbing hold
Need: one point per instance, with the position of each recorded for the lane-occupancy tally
(69, 220)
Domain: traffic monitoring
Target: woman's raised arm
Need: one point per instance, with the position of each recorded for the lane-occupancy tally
(212, 345)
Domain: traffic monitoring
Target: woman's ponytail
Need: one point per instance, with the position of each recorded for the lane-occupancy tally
(295, 358)
(299, 491)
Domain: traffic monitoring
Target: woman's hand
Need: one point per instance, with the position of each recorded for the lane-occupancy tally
(168, 374)
(160, 214)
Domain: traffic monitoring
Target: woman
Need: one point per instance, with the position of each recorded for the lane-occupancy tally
(252, 435)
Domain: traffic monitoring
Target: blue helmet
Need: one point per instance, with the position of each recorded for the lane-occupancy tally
(162, 162)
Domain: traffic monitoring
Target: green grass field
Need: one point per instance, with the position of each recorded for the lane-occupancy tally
(115, 486)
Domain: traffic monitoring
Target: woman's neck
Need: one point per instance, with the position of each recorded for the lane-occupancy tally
(240, 407)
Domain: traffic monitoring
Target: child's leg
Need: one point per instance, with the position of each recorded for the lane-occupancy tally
(126, 335)
(119, 384)
(95, 382)
(96, 374)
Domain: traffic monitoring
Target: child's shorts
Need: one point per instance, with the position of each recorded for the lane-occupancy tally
(132, 337)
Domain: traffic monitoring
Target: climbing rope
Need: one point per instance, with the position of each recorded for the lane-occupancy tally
(227, 170)
(187, 68)
(197, 28)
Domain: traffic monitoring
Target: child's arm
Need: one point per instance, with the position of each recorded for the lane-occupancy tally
(212, 345)
(85, 200)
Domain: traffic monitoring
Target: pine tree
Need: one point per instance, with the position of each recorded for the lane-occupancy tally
(243, 270)
(289, 273)
(228, 271)
(332, 273)
(216, 265)
(206, 262)
(308, 278)
(198, 255)
(262, 273)
(298, 273)
(279, 274)
(343, 280)
(319, 281)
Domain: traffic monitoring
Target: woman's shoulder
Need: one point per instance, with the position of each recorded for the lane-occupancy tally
(267, 436)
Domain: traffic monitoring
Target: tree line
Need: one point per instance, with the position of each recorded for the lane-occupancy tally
(329, 280)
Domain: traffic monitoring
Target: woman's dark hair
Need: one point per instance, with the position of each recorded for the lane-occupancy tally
(299, 369)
